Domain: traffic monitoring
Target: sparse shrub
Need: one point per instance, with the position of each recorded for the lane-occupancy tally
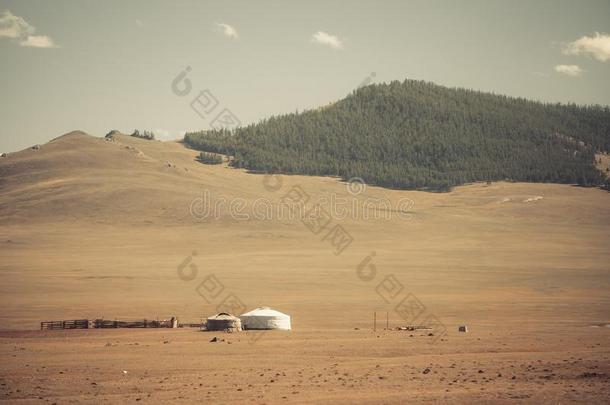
(209, 158)
(148, 135)
(112, 133)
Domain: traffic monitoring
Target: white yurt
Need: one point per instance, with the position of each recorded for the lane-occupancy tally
(265, 318)
(223, 322)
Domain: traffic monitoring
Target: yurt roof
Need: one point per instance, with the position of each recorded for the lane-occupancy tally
(265, 311)
(223, 316)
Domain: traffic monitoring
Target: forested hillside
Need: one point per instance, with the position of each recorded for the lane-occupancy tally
(419, 135)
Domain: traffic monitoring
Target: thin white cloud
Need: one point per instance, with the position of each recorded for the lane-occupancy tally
(139, 23)
(326, 39)
(38, 41)
(569, 70)
(227, 30)
(597, 46)
(12, 26)
(16, 28)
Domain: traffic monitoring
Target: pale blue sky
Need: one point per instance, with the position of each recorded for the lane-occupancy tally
(114, 60)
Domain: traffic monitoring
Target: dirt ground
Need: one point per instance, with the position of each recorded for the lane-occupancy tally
(109, 229)
(522, 364)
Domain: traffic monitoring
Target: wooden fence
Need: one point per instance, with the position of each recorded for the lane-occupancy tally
(144, 323)
(71, 324)
(107, 324)
(190, 325)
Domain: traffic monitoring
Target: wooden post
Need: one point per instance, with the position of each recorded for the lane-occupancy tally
(387, 321)
(374, 321)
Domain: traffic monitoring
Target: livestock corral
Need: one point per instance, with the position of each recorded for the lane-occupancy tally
(107, 324)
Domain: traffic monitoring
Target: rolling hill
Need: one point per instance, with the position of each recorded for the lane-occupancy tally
(93, 228)
(418, 135)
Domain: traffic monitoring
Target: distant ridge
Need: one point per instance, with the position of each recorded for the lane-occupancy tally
(418, 135)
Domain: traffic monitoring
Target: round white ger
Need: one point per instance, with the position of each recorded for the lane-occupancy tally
(265, 318)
